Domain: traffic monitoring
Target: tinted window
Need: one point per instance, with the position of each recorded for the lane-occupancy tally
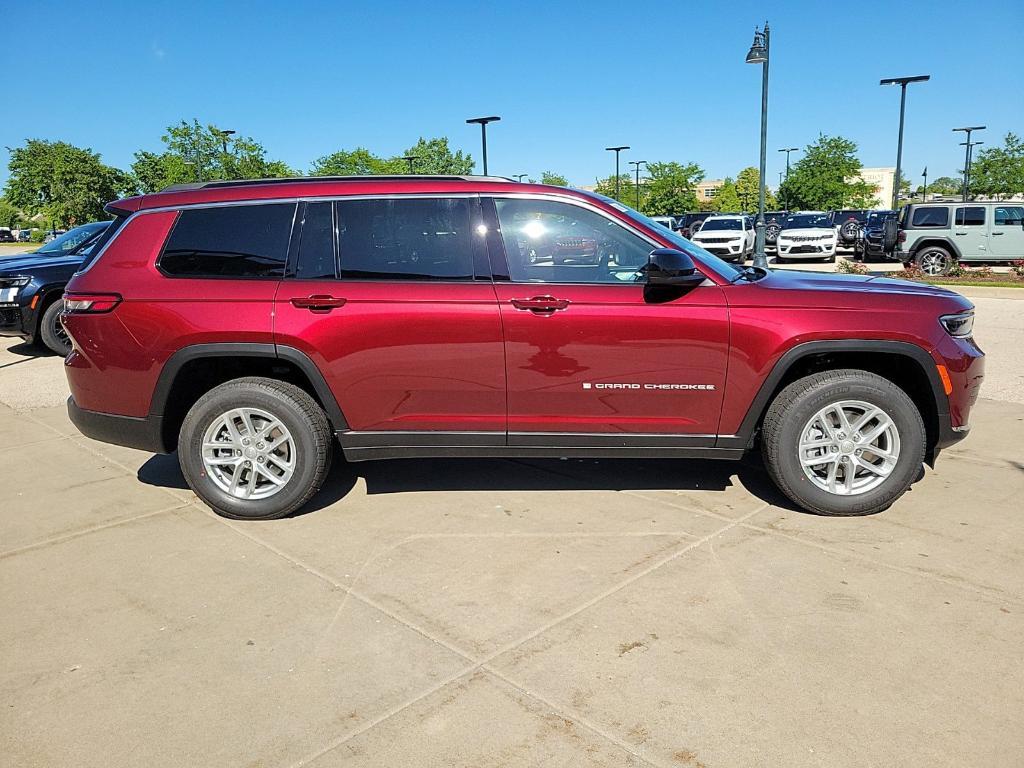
(74, 239)
(231, 241)
(552, 242)
(970, 217)
(316, 244)
(100, 242)
(415, 239)
(930, 217)
(1009, 216)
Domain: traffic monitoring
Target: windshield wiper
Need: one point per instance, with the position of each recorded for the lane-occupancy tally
(751, 273)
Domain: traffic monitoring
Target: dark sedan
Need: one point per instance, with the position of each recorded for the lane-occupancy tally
(31, 286)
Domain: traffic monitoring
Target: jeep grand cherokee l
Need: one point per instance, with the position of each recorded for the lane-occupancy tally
(252, 325)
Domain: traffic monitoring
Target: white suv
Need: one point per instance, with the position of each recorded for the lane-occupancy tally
(807, 235)
(728, 237)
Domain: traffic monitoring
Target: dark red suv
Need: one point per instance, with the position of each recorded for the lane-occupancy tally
(250, 324)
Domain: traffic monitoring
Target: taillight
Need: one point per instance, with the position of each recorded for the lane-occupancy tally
(901, 237)
(90, 303)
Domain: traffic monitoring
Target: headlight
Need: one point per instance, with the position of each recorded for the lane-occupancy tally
(960, 325)
(14, 281)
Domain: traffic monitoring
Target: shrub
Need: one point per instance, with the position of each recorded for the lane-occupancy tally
(1017, 268)
(852, 267)
(910, 272)
(957, 270)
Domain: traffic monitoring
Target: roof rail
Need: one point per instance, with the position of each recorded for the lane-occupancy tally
(218, 184)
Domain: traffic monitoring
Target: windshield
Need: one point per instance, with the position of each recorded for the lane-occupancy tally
(806, 221)
(677, 240)
(877, 217)
(710, 224)
(73, 239)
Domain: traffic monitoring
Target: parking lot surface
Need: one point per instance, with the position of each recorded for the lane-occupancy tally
(497, 613)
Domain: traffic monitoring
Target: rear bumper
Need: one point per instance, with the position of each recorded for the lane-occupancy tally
(145, 434)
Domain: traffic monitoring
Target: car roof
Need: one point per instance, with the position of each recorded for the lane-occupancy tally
(333, 186)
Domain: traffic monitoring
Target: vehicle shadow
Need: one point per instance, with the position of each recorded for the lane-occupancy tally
(25, 349)
(454, 475)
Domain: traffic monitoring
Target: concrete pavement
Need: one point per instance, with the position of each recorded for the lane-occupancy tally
(505, 613)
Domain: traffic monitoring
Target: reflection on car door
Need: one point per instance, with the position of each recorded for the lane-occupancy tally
(385, 299)
(587, 348)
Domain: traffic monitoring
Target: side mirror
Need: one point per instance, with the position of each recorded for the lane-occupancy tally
(667, 266)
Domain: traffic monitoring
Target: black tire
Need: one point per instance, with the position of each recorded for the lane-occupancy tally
(299, 413)
(934, 260)
(52, 333)
(890, 234)
(797, 404)
(830, 259)
(848, 232)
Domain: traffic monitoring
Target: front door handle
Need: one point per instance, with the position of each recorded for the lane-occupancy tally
(319, 303)
(997, 234)
(541, 305)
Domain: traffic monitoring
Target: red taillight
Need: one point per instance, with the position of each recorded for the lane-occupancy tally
(901, 237)
(91, 303)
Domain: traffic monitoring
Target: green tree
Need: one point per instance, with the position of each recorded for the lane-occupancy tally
(196, 152)
(67, 184)
(554, 179)
(10, 215)
(627, 189)
(671, 188)
(998, 172)
(748, 192)
(358, 162)
(435, 157)
(827, 177)
(945, 185)
(726, 197)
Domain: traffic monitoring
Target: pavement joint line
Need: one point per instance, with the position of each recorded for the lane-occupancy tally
(575, 717)
(21, 446)
(684, 507)
(948, 581)
(995, 463)
(85, 531)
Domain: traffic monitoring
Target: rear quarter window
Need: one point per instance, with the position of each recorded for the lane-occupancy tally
(930, 216)
(236, 241)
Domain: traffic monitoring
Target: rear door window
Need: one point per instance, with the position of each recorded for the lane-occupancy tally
(930, 216)
(972, 216)
(410, 239)
(237, 241)
(316, 257)
(1009, 216)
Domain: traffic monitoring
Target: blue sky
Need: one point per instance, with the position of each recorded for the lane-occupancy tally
(568, 78)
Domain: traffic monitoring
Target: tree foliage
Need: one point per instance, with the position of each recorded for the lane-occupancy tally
(433, 156)
(944, 185)
(67, 184)
(194, 152)
(554, 179)
(10, 215)
(827, 177)
(999, 171)
(671, 188)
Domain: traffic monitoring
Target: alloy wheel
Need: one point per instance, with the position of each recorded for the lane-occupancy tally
(849, 447)
(933, 262)
(249, 453)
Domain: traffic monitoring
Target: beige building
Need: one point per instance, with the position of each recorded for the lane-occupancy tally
(882, 180)
(707, 189)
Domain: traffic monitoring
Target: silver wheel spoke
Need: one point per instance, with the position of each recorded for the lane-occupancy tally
(883, 424)
(833, 470)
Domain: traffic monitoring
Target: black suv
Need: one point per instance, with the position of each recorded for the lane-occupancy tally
(31, 285)
(848, 223)
(877, 238)
(773, 225)
(689, 223)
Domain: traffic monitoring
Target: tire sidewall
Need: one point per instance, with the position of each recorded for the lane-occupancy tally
(900, 409)
(190, 441)
(49, 338)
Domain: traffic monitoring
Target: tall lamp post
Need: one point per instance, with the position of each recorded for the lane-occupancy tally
(924, 189)
(636, 165)
(967, 154)
(519, 176)
(758, 54)
(616, 150)
(787, 150)
(482, 122)
(902, 82)
(410, 159)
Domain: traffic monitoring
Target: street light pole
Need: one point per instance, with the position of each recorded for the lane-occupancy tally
(410, 159)
(924, 190)
(902, 82)
(787, 150)
(519, 176)
(967, 155)
(616, 150)
(636, 164)
(483, 121)
(759, 54)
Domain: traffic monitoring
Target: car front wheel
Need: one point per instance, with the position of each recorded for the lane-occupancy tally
(255, 448)
(843, 442)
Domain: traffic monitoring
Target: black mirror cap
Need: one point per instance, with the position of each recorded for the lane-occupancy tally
(668, 266)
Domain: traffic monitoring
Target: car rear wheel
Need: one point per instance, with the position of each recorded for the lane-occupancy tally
(52, 332)
(255, 448)
(934, 260)
(843, 442)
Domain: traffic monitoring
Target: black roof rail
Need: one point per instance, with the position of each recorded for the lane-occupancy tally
(218, 184)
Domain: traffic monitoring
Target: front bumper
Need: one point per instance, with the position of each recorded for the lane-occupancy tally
(810, 250)
(16, 320)
(145, 433)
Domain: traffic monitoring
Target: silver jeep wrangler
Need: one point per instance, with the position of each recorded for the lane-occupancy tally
(935, 236)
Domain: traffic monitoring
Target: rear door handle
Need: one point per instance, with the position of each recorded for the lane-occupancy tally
(319, 303)
(544, 305)
(997, 234)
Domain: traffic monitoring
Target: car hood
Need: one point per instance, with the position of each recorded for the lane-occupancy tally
(30, 262)
(789, 279)
(807, 231)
